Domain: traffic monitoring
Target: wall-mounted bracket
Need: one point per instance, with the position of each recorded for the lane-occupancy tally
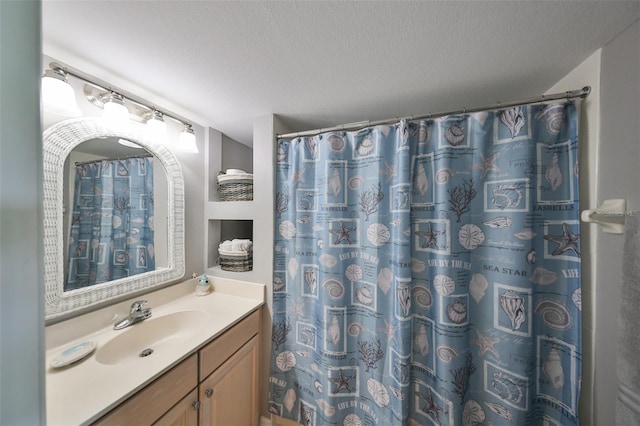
(610, 215)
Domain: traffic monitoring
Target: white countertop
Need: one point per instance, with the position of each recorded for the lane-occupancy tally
(85, 391)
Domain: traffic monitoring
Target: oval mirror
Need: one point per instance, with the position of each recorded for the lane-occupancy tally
(113, 214)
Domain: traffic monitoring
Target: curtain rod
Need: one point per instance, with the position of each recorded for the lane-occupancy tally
(130, 157)
(580, 93)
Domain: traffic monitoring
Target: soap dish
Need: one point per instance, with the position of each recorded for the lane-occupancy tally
(73, 354)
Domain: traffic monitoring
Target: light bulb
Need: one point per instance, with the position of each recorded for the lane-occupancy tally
(157, 128)
(187, 140)
(57, 95)
(130, 144)
(115, 113)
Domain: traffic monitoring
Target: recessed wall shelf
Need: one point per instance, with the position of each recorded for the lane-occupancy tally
(224, 220)
(219, 230)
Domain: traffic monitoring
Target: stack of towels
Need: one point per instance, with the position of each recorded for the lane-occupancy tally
(235, 247)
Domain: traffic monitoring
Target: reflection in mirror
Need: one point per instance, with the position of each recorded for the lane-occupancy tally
(108, 205)
(115, 212)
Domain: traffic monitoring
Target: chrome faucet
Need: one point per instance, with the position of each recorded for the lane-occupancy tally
(136, 314)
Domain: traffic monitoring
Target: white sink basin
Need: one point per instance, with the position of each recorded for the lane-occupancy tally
(155, 333)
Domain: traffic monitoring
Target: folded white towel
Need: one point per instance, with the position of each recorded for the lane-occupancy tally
(236, 246)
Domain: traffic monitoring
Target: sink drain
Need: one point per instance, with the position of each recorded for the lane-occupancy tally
(146, 352)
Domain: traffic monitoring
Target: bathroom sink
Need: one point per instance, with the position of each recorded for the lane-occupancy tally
(155, 333)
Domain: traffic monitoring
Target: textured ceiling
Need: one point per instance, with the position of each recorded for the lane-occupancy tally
(319, 64)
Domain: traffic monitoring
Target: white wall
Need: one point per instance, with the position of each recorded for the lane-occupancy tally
(236, 156)
(587, 74)
(264, 129)
(21, 301)
(609, 157)
(618, 177)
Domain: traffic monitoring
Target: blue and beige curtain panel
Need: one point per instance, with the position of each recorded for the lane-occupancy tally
(427, 272)
(112, 232)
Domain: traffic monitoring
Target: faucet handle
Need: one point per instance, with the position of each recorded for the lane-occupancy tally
(137, 305)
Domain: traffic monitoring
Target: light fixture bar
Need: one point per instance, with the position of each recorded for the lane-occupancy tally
(94, 96)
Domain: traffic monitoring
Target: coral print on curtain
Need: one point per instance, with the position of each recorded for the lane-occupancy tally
(112, 224)
(427, 273)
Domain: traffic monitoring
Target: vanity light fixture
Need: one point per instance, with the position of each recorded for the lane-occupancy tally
(114, 111)
(118, 107)
(187, 140)
(58, 97)
(156, 127)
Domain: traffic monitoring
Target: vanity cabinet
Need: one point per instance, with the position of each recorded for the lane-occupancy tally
(219, 385)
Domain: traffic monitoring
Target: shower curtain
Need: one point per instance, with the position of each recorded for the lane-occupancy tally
(427, 272)
(112, 232)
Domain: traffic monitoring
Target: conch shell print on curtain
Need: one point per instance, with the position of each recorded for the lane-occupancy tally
(428, 272)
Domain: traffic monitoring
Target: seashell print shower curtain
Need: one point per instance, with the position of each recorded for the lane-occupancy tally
(428, 273)
(111, 231)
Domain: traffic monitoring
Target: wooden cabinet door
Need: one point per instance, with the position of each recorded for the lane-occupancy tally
(222, 347)
(230, 395)
(152, 402)
(184, 413)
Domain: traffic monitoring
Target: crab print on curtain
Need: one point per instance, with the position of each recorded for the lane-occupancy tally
(428, 272)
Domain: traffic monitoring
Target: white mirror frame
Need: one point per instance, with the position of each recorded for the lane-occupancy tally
(58, 142)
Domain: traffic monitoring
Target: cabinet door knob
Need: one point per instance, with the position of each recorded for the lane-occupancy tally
(208, 393)
(196, 405)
